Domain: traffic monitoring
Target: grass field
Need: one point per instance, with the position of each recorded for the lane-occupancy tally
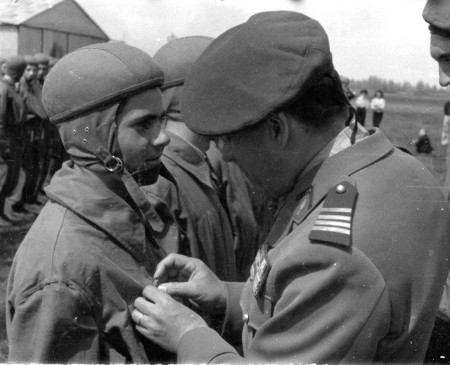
(403, 118)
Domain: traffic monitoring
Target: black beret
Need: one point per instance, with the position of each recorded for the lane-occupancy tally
(95, 76)
(177, 57)
(254, 68)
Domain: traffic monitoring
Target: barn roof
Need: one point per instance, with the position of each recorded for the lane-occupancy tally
(58, 15)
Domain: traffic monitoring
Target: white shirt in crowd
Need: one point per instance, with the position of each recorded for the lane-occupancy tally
(377, 104)
(362, 102)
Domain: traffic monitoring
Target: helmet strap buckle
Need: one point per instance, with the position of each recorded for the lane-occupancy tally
(111, 163)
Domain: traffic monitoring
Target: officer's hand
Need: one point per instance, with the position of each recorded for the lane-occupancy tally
(162, 319)
(190, 278)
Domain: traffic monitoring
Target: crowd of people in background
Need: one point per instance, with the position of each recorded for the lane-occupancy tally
(377, 105)
(30, 147)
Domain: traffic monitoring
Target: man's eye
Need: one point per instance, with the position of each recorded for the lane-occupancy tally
(153, 122)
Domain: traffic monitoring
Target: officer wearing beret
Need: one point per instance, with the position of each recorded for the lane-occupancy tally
(437, 14)
(12, 116)
(353, 268)
(92, 250)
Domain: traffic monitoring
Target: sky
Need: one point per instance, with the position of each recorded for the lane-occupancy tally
(385, 38)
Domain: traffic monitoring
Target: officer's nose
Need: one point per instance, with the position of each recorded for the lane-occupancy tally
(444, 73)
(440, 51)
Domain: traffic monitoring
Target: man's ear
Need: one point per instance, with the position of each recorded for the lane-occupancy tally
(279, 128)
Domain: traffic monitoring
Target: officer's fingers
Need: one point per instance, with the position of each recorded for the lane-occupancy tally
(172, 266)
(155, 295)
(139, 318)
(185, 290)
(147, 326)
(143, 305)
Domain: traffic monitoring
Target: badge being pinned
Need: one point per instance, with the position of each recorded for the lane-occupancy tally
(259, 270)
(334, 223)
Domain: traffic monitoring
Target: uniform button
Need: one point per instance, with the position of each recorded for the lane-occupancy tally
(245, 317)
(340, 189)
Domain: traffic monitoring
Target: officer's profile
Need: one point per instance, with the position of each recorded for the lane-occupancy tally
(346, 273)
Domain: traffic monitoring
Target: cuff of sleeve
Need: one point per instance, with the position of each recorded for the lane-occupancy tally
(202, 345)
(232, 325)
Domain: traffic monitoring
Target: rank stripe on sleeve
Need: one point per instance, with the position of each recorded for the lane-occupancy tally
(334, 223)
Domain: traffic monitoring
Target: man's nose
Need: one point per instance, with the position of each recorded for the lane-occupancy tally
(440, 51)
(163, 138)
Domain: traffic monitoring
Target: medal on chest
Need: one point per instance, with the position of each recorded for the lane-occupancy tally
(260, 270)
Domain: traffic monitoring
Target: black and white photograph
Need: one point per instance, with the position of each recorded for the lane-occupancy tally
(225, 181)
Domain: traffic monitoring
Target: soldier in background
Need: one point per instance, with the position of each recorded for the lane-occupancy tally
(249, 209)
(33, 137)
(52, 150)
(196, 200)
(12, 116)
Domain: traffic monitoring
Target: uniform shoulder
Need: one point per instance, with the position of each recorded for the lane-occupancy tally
(58, 246)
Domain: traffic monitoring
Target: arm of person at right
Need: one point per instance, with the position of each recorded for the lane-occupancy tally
(330, 307)
(190, 278)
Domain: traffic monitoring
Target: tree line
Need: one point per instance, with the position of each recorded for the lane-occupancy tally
(389, 86)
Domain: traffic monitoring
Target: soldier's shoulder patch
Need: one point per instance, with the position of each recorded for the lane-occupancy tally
(334, 223)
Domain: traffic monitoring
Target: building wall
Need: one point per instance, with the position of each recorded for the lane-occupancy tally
(30, 40)
(76, 41)
(8, 40)
(56, 44)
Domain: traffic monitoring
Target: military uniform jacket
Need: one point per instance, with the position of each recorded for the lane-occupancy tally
(238, 193)
(12, 113)
(76, 275)
(32, 96)
(196, 207)
(357, 260)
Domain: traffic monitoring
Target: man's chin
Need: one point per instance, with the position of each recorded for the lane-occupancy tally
(146, 177)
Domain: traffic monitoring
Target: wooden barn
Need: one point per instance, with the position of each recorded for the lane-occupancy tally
(54, 27)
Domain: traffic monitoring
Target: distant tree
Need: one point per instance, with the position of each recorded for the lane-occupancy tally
(420, 88)
(374, 83)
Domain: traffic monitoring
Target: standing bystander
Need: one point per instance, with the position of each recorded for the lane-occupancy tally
(32, 133)
(362, 105)
(377, 105)
(12, 116)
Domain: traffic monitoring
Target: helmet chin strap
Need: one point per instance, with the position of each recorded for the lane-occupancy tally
(149, 217)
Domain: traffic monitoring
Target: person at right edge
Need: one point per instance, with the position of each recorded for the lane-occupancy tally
(437, 14)
(354, 266)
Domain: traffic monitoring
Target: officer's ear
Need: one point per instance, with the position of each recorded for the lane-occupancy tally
(279, 128)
